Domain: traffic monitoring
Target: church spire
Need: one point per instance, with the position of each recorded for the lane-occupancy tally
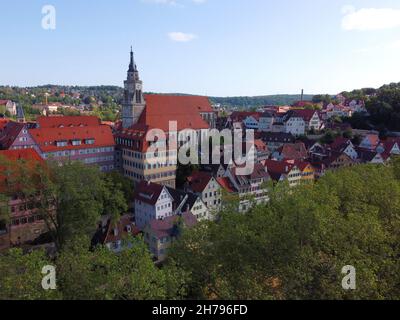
(132, 63)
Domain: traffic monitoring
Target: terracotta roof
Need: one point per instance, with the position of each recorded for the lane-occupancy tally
(199, 180)
(3, 102)
(185, 110)
(226, 184)
(3, 123)
(46, 138)
(148, 192)
(68, 121)
(278, 167)
(165, 228)
(296, 151)
(302, 165)
(22, 154)
(260, 145)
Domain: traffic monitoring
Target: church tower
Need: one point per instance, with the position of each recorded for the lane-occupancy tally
(133, 104)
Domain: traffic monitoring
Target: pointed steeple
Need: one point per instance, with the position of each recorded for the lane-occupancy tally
(132, 63)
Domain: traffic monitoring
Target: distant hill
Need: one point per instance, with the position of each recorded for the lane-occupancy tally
(258, 101)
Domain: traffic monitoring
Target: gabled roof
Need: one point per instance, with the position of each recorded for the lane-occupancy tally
(199, 180)
(165, 228)
(296, 151)
(179, 196)
(67, 121)
(9, 133)
(4, 102)
(366, 155)
(306, 114)
(373, 139)
(340, 144)
(226, 184)
(279, 167)
(148, 192)
(125, 227)
(334, 156)
(185, 110)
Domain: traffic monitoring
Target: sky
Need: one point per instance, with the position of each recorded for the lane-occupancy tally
(206, 47)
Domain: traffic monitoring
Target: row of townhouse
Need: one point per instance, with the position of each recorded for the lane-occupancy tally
(294, 121)
(80, 138)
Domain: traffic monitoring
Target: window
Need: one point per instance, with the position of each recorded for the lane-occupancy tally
(89, 141)
(76, 142)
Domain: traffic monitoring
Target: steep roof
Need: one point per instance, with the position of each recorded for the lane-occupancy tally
(125, 227)
(68, 121)
(185, 110)
(47, 137)
(9, 133)
(179, 196)
(148, 192)
(199, 180)
(296, 151)
(340, 144)
(226, 184)
(306, 114)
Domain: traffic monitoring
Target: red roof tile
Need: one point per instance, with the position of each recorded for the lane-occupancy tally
(185, 110)
(46, 138)
(67, 121)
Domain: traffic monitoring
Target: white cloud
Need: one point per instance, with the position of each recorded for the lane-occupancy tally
(181, 36)
(370, 18)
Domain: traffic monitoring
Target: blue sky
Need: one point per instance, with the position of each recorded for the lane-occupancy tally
(209, 47)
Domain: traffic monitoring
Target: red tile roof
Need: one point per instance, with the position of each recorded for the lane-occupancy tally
(3, 102)
(226, 184)
(295, 151)
(46, 138)
(67, 121)
(185, 110)
(22, 154)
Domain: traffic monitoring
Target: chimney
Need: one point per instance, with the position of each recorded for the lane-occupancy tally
(302, 94)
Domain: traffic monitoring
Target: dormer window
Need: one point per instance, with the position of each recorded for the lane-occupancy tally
(89, 141)
(76, 142)
(61, 143)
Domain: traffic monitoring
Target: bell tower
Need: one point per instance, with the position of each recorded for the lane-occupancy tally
(133, 104)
